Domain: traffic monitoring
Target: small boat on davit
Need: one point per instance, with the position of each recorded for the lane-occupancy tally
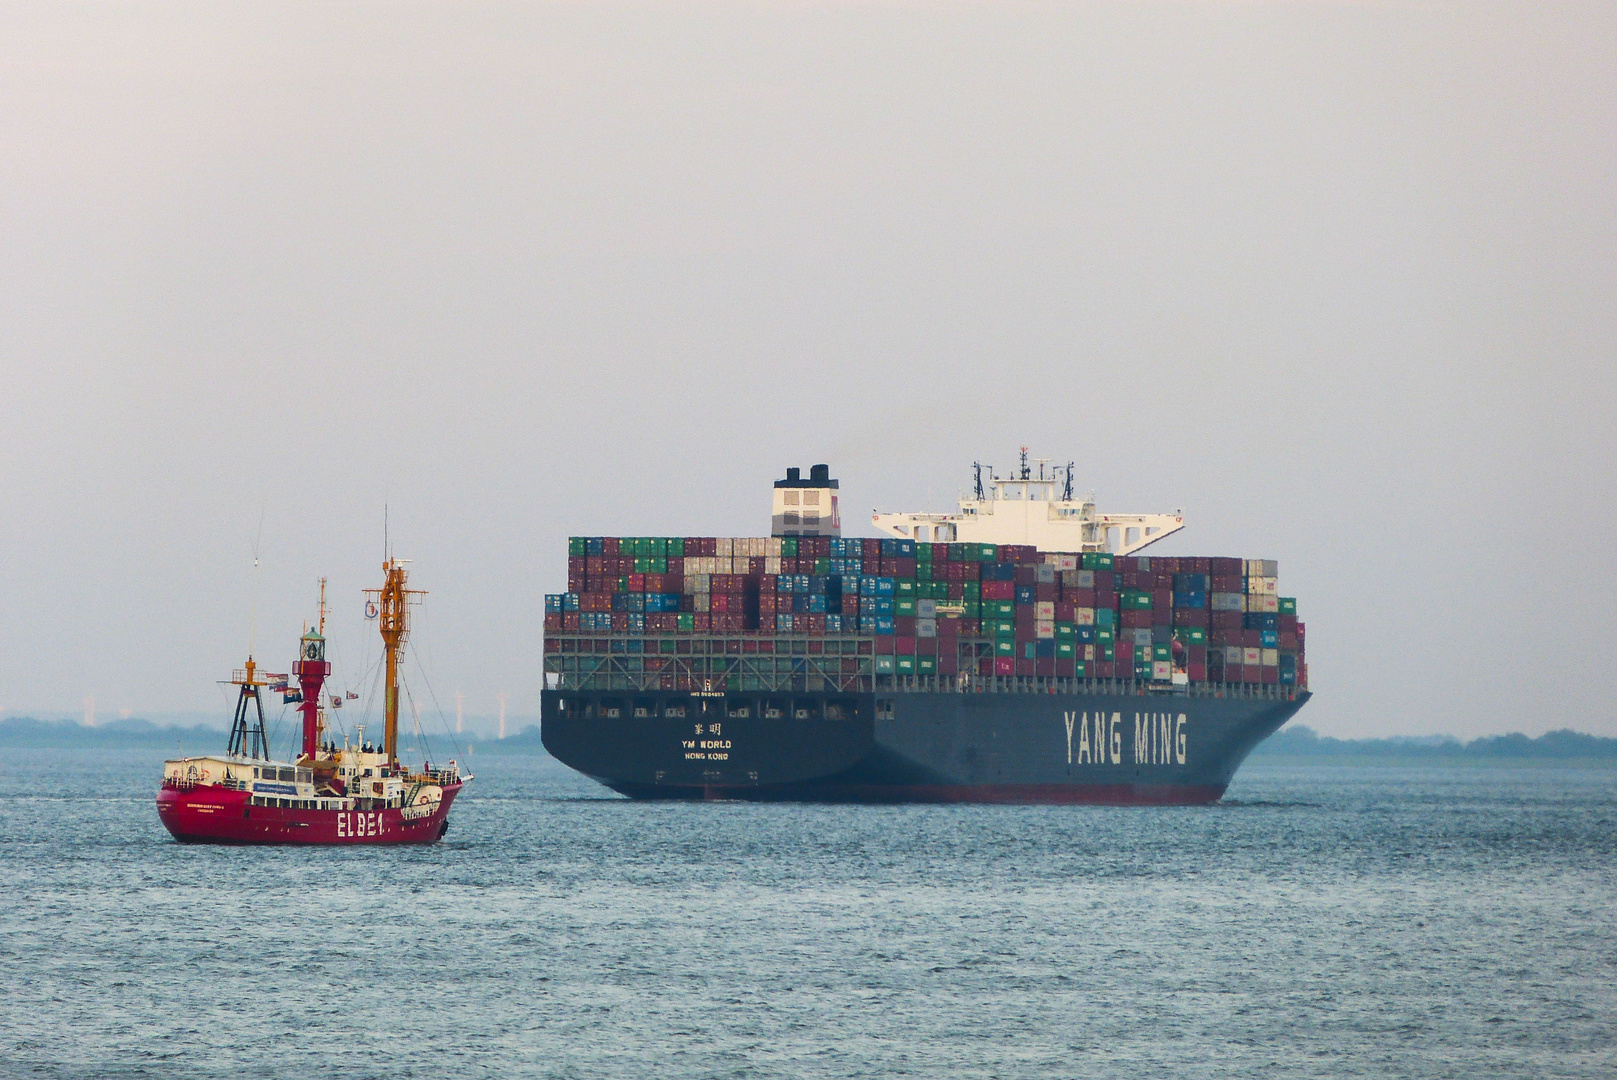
(331, 794)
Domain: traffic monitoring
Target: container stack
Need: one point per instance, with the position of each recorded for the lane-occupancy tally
(699, 612)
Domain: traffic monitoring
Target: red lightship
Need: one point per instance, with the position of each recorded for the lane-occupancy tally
(331, 794)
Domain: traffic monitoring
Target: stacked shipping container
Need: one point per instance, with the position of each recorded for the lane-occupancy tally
(869, 608)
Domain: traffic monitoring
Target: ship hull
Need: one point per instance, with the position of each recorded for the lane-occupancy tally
(1115, 749)
(214, 815)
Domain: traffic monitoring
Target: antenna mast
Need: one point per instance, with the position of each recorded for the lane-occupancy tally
(393, 603)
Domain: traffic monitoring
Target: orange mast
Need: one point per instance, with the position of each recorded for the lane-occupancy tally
(393, 604)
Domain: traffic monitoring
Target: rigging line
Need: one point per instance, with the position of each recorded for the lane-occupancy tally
(450, 732)
(415, 714)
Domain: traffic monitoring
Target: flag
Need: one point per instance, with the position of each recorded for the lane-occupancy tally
(352, 696)
(336, 701)
(291, 697)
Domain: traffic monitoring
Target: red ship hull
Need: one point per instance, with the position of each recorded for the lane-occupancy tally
(215, 815)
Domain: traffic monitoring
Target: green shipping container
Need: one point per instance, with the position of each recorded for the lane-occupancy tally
(1105, 636)
(676, 547)
(905, 665)
(1000, 628)
(577, 546)
(1105, 619)
(923, 553)
(1066, 650)
(904, 587)
(884, 665)
(1135, 600)
(926, 665)
(686, 623)
(1066, 631)
(904, 605)
(1162, 652)
(998, 609)
(1004, 647)
(1191, 635)
(970, 609)
(973, 590)
(1288, 605)
(1081, 669)
(987, 552)
(923, 572)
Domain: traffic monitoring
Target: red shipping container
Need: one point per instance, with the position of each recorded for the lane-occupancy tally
(949, 626)
(1004, 665)
(702, 621)
(676, 564)
(998, 590)
(1027, 575)
(1252, 639)
(569, 620)
(1105, 581)
(1105, 598)
(553, 620)
(1162, 598)
(1128, 579)
(904, 624)
(1045, 666)
(903, 645)
(971, 627)
(1104, 669)
(1196, 654)
(1080, 597)
(1026, 667)
(673, 583)
(1045, 591)
(1198, 565)
(1196, 672)
(1026, 632)
(577, 564)
(1271, 675)
(1123, 652)
(1287, 624)
(1288, 640)
(948, 664)
(1226, 620)
(1190, 617)
(1162, 616)
(594, 565)
(1134, 619)
(1224, 567)
(1226, 584)
(816, 624)
(927, 646)
(1066, 611)
(1066, 667)
(1025, 614)
(1251, 673)
(577, 583)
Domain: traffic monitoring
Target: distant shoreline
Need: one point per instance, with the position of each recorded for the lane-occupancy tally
(1296, 743)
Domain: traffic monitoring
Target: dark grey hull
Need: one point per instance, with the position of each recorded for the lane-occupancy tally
(1110, 748)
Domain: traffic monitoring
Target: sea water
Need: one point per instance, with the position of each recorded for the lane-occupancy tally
(1322, 921)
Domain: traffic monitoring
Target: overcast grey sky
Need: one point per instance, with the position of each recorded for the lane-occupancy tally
(1337, 279)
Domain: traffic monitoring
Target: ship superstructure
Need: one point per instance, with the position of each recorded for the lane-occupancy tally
(1033, 509)
(355, 793)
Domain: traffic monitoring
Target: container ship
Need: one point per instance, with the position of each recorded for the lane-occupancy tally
(331, 794)
(1019, 650)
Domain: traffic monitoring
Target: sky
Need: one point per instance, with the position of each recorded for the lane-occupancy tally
(1337, 280)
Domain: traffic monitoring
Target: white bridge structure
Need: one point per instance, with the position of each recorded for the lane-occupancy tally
(1028, 509)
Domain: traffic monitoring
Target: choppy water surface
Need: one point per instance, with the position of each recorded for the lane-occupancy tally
(1325, 921)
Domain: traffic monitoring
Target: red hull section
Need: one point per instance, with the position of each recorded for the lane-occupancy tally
(215, 815)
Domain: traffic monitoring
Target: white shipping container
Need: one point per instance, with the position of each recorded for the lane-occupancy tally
(1271, 657)
(700, 601)
(926, 609)
(1085, 616)
(771, 564)
(1233, 654)
(1044, 610)
(1086, 579)
(1227, 601)
(722, 548)
(1044, 629)
(1161, 670)
(1142, 638)
(1252, 656)
(926, 628)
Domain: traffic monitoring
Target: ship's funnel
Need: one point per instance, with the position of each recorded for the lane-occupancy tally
(806, 507)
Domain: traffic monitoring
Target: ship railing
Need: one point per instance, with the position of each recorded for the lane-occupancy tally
(937, 684)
